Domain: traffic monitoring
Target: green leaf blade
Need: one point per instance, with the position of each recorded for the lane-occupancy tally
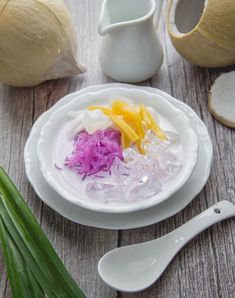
(33, 244)
(22, 281)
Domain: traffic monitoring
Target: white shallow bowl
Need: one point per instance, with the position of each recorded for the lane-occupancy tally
(59, 117)
(120, 221)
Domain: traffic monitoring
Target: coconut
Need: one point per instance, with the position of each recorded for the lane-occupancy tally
(222, 99)
(37, 42)
(202, 31)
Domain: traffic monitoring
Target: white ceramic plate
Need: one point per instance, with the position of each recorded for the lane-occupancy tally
(58, 118)
(137, 219)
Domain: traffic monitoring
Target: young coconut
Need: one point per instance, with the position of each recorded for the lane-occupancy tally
(222, 99)
(202, 31)
(37, 42)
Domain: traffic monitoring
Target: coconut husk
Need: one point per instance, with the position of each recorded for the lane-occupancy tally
(203, 31)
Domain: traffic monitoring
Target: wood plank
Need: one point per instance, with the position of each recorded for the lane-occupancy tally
(15, 124)
(79, 247)
(205, 267)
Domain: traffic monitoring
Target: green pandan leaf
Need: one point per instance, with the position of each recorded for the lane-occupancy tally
(32, 244)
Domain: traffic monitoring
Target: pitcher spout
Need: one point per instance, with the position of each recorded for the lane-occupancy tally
(104, 27)
(104, 20)
(116, 14)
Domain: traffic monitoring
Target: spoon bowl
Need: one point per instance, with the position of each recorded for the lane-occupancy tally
(133, 268)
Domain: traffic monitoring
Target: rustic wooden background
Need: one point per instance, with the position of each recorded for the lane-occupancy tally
(206, 266)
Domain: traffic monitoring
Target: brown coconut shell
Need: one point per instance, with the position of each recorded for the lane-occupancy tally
(211, 42)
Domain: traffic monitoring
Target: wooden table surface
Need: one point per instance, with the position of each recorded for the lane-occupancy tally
(206, 266)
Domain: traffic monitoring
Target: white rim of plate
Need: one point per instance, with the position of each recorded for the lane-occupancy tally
(136, 219)
(119, 208)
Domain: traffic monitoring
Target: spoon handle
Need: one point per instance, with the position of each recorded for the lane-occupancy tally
(207, 218)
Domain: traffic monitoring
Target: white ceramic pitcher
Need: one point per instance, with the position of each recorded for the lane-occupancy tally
(130, 50)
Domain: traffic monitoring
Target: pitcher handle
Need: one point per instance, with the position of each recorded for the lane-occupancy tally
(158, 11)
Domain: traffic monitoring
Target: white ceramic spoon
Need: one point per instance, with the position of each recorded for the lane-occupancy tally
(135, 267)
